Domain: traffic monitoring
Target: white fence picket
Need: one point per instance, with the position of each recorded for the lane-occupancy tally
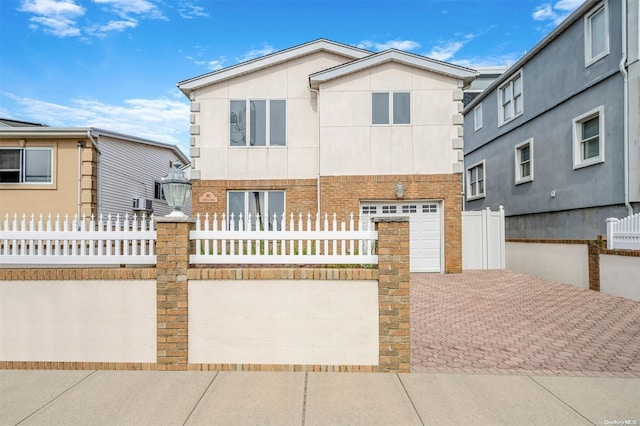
(242, 241)
(65, 242)
(624, 233)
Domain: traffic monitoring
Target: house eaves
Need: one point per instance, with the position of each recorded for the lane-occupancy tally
(570, 20)
(253, 65)
(81, 133)
(393, 55)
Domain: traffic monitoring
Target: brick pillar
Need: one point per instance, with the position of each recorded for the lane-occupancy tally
(172, 251)
(393, 294)
(594, 263)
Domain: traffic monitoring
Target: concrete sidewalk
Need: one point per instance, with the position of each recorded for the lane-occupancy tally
(262, 398)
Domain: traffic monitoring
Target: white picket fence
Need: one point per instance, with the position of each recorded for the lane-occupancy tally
(295, 241)
(107, 240)
(624, 233)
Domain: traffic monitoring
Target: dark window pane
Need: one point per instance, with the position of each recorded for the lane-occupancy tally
(277, 123)
(37, 165)
(238, 123)
(380, 108)
(401, 108)
(258, 123)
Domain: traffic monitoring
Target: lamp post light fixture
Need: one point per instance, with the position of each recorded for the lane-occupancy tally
(176, 188)
(399, 191)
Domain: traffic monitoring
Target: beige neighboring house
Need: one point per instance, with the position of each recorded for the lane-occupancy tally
(328, 127)
(70, 171)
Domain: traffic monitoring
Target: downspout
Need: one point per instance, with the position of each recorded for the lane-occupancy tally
(625, 113)
(317, 92)
(99, 183)
(80, 145)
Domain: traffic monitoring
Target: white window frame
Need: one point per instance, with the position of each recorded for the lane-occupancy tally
(23, 160)
(264, 221)
(588, 36)
(578, 161)
(247, 128)
(510, 83)
(477, 117)
(479, 195)
(518, 162)
(390, 120)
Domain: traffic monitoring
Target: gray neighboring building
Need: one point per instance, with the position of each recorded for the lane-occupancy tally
(555, 139)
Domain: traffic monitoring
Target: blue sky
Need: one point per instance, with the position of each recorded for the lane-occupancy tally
(114, 64)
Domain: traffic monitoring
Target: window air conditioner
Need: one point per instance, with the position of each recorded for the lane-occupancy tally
(142, 204)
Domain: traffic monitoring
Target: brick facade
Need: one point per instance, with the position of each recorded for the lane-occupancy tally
(342, 195)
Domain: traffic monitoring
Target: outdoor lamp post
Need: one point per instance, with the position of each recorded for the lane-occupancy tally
(399, 191)
(176, 188)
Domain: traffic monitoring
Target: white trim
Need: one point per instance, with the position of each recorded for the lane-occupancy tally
(23, 163)
(588, 60)
(578, 162)
(477, 124)
(501, 120)
(518, 178)
(483, 194)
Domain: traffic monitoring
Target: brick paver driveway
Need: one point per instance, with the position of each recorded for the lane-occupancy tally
(506, 322)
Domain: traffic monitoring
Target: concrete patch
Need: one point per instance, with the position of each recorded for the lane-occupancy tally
(357, 399)
(250, 398)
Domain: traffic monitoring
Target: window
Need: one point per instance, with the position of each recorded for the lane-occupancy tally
(26, 165)
(588, 138)
(389, 209)
(510, 99)
(596, 34)
(158, 192)
(369, 210)
(265, 125)
(475, 181)
(477, 117)
(429, 208)
(409, 208)
(524, 162)
(260, 204)
(394, 109)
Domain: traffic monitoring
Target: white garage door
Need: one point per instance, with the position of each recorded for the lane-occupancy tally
(425, 226)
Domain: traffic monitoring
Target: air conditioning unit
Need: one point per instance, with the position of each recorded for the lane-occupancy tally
(142, 204)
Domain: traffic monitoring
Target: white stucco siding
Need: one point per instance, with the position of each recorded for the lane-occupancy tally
(422, 147)
(282, 81)
(283, 322)
(90, 321)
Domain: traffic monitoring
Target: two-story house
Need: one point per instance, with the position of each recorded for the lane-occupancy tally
(326, 127)
(84, 171)
(555, 139)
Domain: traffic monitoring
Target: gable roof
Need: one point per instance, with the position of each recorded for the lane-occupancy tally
(82, 132)
(557, 31)
(393, 55)
(269, 60)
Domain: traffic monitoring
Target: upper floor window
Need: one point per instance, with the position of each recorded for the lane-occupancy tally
(394, 109)
(158, 192)
(510, 99)
(588, 138)
(524, 162)
(477, 117)
(26, 165)
(264, 125)
(596, 34)
(261, 205)
(475, 181)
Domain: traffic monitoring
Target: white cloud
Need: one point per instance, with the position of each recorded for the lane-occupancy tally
(556, 12)
(506, 59)
(213, 65)
(112, 26)
(445, 51)
(406, 45)
(163, 119)
(255, 53)
(126, 8)
(57, 17)
(189, 10)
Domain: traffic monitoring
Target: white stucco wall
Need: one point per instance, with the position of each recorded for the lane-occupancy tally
(423, 147)
(89, 321)
(299, 159)
(620, 276)
(283, 322)
(565, 263)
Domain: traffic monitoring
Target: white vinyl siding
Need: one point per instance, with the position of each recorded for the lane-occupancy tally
(596, 34)
(510, 99)
(588, 138)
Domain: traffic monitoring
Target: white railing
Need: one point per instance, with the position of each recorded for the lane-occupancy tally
(245, 241)
(624, 233)
(107, 240)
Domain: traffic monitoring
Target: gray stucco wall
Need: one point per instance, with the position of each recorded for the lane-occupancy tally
(556, 89)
